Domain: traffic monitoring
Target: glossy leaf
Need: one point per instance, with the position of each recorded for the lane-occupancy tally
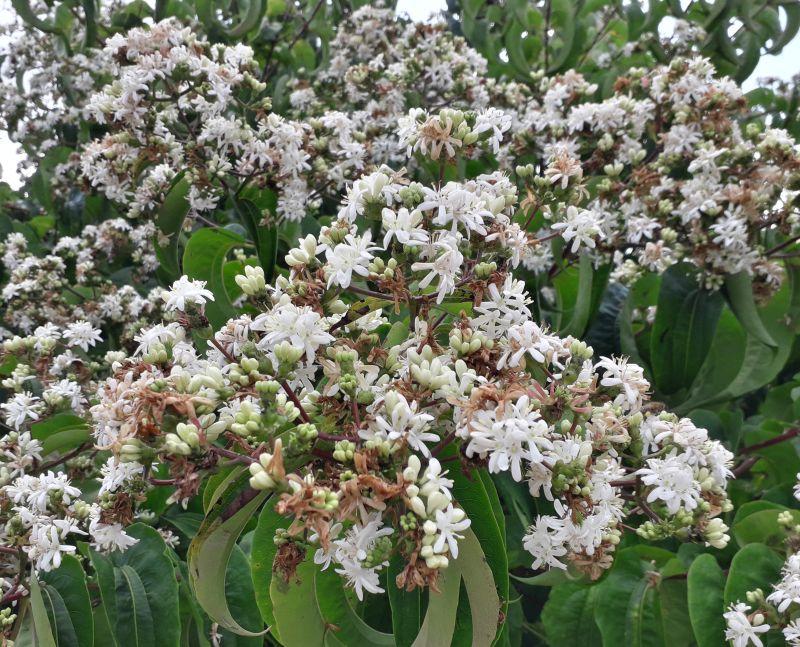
(68, 582)
(169, 221)
(210, 551)
(751, 568)
(706, 586)
(204, 259)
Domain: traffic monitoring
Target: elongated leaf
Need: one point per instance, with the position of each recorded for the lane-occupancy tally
(336, 612)
(135, 621)
(43, 632)
(440, 619)
(297, 617)
(706, 586)
(407, 606)
(265, 238)
(57, 613)
(204, 259)
(684, 328)
(104, 576)
(739, 293)
(210, 551)
(262, 557)
(484, 603)
(24, 11)
(476, 493)
(69, 582)
(241, 599)
(169, 221)
(583, 303)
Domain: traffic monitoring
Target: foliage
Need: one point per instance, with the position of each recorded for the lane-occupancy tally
(284, 279)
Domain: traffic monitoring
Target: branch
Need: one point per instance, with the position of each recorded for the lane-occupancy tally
(786, 435)
(293, 397)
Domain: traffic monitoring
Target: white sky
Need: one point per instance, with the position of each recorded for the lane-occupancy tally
(783, 66)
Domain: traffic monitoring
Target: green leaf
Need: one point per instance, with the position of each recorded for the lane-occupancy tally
(43, 632)
(210, 551)
(241, 599)
(624, 607)
(68, 581)
(484, 603)
(475, 492)
(139, 591)
(686, 320)
(243, 23)
(104, 576)
(135, 621)
(303, 56)
(204, 258)
(24, 11)
(264, 238)
(762, 527)
(568, 615)
(440, 619)
(59, 432)
(739, 293)
(755, 566)
(297, 617)
(336, 611)
(262, 557)
(583, 302)
(407, 606)
(706, 585)
(169, 221)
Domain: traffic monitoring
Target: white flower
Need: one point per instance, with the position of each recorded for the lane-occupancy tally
(495, 122)
(403, 226)
(541, 542)
(509, 434)
(21, 407)
(186, 290)
(352, 255)
(673, 482)
(740, 631)
(82, 334)
(445, 266)
(449, 522)
(787, 591)
(581, 226)
(109, 537)
(791, 633)
(299, 325)
(351, 551)
(404, 421)
(527, 338)
(628, 377)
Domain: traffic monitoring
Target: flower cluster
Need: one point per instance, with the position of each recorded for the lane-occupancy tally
(72, 280)
(674, 175)
(43, 514)
(399, 351)
(748, 621)
(43, 85)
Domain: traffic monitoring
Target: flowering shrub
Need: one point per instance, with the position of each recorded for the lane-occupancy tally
(320, 325)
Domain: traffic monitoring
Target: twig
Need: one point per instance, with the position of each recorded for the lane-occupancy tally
(745, 466)
(293, 397)
(63, 459)
(786, 435)
(234, 456)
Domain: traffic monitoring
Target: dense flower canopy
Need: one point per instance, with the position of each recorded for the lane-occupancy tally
(313, 309)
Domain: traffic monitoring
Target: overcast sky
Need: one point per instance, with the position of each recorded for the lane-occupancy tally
(783, 66)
